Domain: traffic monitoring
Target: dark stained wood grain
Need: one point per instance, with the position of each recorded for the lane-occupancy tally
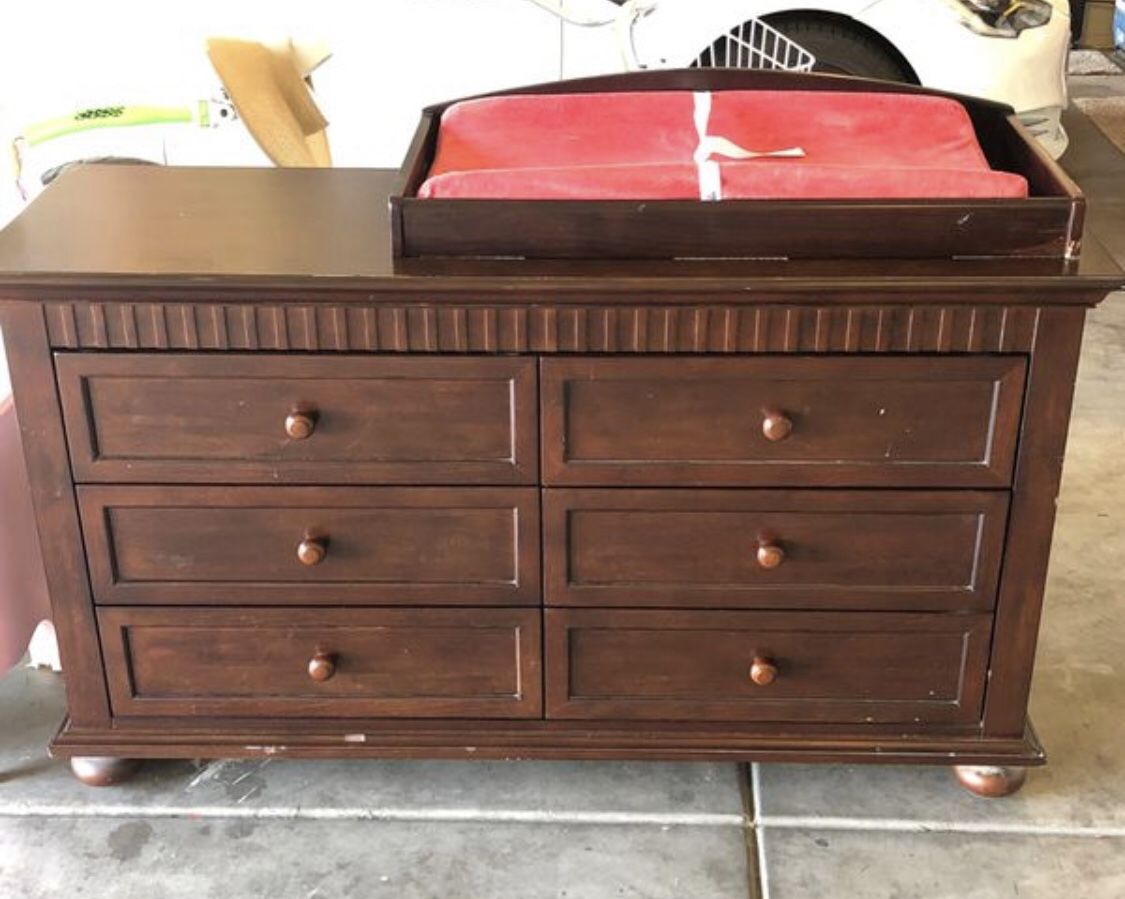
(481, 663)
(52, 495)
(455, 327)
(645, 665)
(184, 235)
(736, 229)
(222, 641)
(855, 422)
(183, 418)
(1050, 390)
(890, 550)
(199, 737)
(381, 545)
(1043, 225)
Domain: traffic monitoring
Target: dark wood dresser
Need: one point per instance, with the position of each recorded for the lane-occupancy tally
(297, 501)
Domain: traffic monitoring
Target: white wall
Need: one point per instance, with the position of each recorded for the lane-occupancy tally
(390, 58)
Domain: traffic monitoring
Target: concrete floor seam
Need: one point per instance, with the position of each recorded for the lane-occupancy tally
(759, 835)
(365, 814)
(900, 826)
(755, 887)
(750, 835)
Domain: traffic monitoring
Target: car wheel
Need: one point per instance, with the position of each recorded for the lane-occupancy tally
(840, 50)
(52, 173)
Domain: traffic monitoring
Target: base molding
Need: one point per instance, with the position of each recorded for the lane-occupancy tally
(547, 740)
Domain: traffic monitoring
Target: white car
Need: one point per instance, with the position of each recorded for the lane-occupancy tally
(1013, 51)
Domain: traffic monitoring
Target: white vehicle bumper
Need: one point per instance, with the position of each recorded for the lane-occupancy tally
(1046, 125)
(1027, 72)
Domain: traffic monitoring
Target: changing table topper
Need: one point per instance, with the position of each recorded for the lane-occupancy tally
(681, 145)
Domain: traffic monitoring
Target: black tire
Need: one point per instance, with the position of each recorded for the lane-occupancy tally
(841, 50)
(52, 173)
(1077, 20)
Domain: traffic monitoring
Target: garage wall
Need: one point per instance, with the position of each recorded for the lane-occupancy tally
(390, 58)
(1097, 29)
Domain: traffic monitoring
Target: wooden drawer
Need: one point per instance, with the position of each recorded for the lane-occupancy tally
(181, 418)
(310, 545)
(832, 549)
(828, 667)
(478, 663)
(781, 421)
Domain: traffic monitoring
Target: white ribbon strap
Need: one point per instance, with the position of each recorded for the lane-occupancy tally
(710, 175)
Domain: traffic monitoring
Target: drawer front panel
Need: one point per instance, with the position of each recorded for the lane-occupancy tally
(480, 663)
(845, 667)
(178, 418)
(832, 549)
(948, 422)
(307, 545)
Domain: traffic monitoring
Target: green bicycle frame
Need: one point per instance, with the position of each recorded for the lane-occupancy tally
(114, 117)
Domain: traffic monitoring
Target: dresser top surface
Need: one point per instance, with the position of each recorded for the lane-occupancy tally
(116, 226)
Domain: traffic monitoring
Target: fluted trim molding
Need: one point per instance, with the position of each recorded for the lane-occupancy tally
(447, 328)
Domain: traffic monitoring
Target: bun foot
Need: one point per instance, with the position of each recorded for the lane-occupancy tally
(103, 771)
(990, 782)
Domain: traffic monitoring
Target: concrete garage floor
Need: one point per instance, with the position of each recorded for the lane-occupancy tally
(409, 830)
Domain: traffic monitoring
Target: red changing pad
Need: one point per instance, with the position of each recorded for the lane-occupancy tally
(646, 145)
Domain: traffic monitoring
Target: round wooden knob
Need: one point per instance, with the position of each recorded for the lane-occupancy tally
(763, 672)
(776, 426)
(770, 555)
(312, 550)
(300, 425)
(322, 666)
